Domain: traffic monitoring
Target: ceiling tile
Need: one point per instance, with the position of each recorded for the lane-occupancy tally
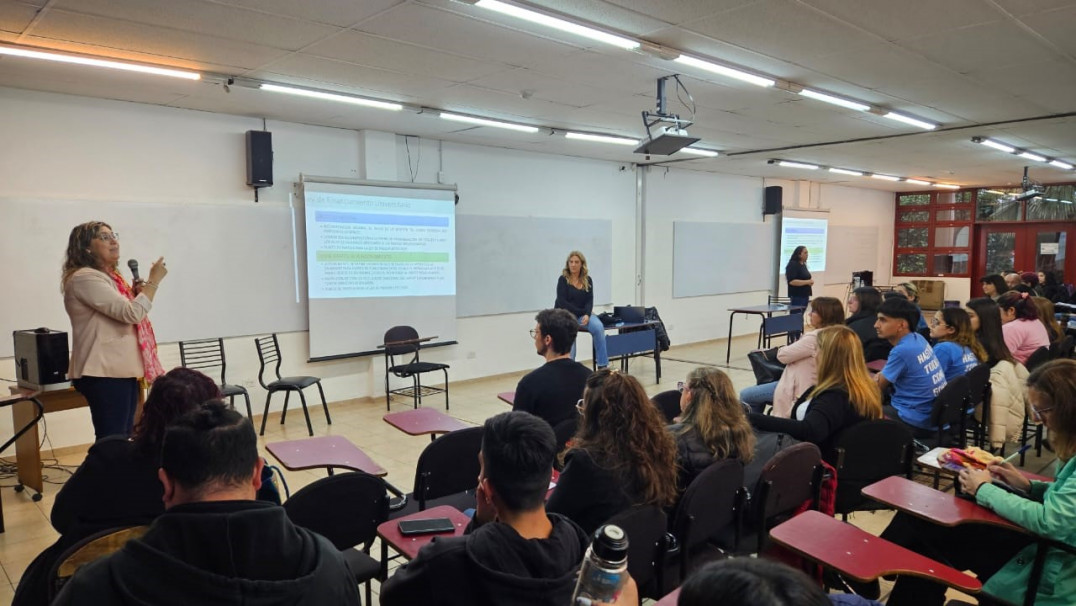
(973, 48)
(890, 21)
(331, 12)
(348, 77)
(1026, 7)
(364, 49)
(15, 16)
(602, 14)
(1039, 84)
(683, 11)
(543, 87)
(1057, 26)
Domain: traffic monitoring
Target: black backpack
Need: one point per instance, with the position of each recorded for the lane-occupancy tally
(651, 315)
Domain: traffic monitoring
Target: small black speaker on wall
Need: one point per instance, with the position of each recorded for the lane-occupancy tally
(259, 158)
(772, 200)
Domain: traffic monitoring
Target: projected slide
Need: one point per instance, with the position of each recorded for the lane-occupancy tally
(805, 232)
(365, 245)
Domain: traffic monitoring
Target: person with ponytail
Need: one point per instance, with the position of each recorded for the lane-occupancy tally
(112, 340)
(621, 456)
(956, 347)
(1020, 325)
(712, 425)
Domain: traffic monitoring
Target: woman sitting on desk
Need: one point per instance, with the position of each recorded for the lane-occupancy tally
(575, 293)
(112, 341)
(1003, 558)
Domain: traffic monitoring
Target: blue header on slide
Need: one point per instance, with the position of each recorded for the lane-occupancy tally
(328, 216)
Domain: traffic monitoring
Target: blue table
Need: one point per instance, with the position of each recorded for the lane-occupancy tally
(631, 340)
(761, 310)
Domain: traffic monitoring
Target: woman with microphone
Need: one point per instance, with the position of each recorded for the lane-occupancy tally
(113, 344)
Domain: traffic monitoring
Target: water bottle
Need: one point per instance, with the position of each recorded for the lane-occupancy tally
(604, 569)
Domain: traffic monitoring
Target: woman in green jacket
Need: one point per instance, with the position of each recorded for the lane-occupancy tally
(1003, 559)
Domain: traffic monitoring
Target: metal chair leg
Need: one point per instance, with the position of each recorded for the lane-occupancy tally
(250, 414)
(284, 413)
(324, 404)
(265, 415)
(306, 413)
(446, 387)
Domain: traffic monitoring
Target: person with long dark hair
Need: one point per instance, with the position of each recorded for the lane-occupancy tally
(112, 340)
(622, 455)
(1020, 325)
(712, 425)
(1008, 396)
(1053, 289)
(1000, 557)
(863, 304)
(575, 293)
(956, 347)
(993, 286)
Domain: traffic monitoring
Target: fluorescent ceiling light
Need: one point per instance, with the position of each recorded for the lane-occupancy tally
(844, 171)
(917, 182)
(946, 186)
(994, 191)
(130, 67)
(706, 153)
(316, 94)
(523, 128)
(885, 177)
(600, 138)
(997, 145)
(910, 120)
(558, 24)
(1060, 164)
(788, 164)
(1031, 156)
(856, 105)
(722, 70)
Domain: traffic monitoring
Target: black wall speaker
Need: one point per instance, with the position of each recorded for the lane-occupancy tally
(259, 158)
(772, 200)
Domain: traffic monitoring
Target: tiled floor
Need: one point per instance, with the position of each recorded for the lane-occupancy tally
(29, 532)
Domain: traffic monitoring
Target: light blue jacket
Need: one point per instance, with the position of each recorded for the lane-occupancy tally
(1050, 512)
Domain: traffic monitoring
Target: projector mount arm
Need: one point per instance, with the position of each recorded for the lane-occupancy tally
(661, 116)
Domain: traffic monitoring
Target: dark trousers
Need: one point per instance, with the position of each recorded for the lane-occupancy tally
(804, 301)
(980, 548)
(112, 404)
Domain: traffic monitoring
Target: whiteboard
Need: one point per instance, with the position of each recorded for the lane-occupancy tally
(851, 249)
(231, 268)
(721, 258)
(511, 264)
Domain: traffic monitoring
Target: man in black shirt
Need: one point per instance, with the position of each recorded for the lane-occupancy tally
(552, 390)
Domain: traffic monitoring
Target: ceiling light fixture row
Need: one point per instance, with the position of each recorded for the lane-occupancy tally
(1023, 153)
(858, 173)
(671, 54)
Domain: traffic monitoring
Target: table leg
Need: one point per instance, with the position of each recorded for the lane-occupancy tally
(728, 345)
(657, 357)
(27, 455)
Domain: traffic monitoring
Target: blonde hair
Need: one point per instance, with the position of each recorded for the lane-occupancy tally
(78, 249)
(583, 273)
(841, 366)
(911, 289)
(716, 413)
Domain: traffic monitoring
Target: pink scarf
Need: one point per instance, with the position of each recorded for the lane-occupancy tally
(147, 341)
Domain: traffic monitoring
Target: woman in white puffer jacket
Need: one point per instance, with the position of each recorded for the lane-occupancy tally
(1008, 378)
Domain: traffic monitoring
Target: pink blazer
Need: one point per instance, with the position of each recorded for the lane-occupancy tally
(103, 338)
(801, 371)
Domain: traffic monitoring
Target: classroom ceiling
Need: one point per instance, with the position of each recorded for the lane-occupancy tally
(1004, 69)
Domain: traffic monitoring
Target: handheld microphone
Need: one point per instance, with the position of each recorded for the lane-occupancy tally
(133, 265)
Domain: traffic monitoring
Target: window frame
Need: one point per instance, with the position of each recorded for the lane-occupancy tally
(931, 225)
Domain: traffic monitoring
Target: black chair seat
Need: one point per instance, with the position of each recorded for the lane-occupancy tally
(292, 383)
(414, 368)
(232, 390)
(362, 565)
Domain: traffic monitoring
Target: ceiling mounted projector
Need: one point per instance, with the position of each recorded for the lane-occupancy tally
(670, 138)
(1031, 189)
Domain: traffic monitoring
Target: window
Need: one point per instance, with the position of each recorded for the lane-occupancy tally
(933, 233)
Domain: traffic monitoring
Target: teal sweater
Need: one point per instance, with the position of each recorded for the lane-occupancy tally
(1050, 512)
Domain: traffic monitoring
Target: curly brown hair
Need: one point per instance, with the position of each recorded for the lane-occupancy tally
(78, 249)
(624, 433)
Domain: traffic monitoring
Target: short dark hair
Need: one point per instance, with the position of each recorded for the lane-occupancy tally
(561, 326)
(750, 581)
(901, 309)
(518, 449)
(211, 445)
(869, 299)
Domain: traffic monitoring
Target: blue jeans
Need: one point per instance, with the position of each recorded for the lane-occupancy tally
(758, 396)
(112, 404)
(597, 333)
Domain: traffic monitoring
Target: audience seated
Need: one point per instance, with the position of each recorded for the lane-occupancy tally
(956, 347)
(1030, 279)
(1008, 391)
(758, 582)
(712, 427)
(911, 370)
(1002, 558)
(993, 286)
(215, 544)
(552, 390)
(512, 552)
(911, 292)
(1053, 289)
(1012, 280)
(863, 305)
(843, 396)
(621, 456)
(1045, 307)
(1020, 324)
(799, 360)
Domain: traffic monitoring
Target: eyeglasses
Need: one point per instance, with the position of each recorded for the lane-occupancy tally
(1038, 411)
(106, 237)
(534, 332)
(680, 386)
(579, 406)
(936, 322)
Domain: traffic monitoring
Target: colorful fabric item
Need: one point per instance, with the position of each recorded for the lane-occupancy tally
(147, 341)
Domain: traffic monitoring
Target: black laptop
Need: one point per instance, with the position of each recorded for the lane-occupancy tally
(630, 314)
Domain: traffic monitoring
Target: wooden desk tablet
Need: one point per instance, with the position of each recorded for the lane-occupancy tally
(759, 310)
(420, 421)
(323, 451)
(930, 459)
(408, 546)
(669, 600)
(861, 555)
(933, 505)
(508, 397)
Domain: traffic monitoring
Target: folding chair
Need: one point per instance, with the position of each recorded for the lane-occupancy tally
(269, 353)
(87, 550)
(646, 527)
(792, 477)
(206, 355)
(668, 402)
(446, 473)
(865, 453)
(404, 341)
(708, 512)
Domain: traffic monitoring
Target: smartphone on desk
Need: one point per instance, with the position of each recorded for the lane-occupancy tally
(426, 526)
